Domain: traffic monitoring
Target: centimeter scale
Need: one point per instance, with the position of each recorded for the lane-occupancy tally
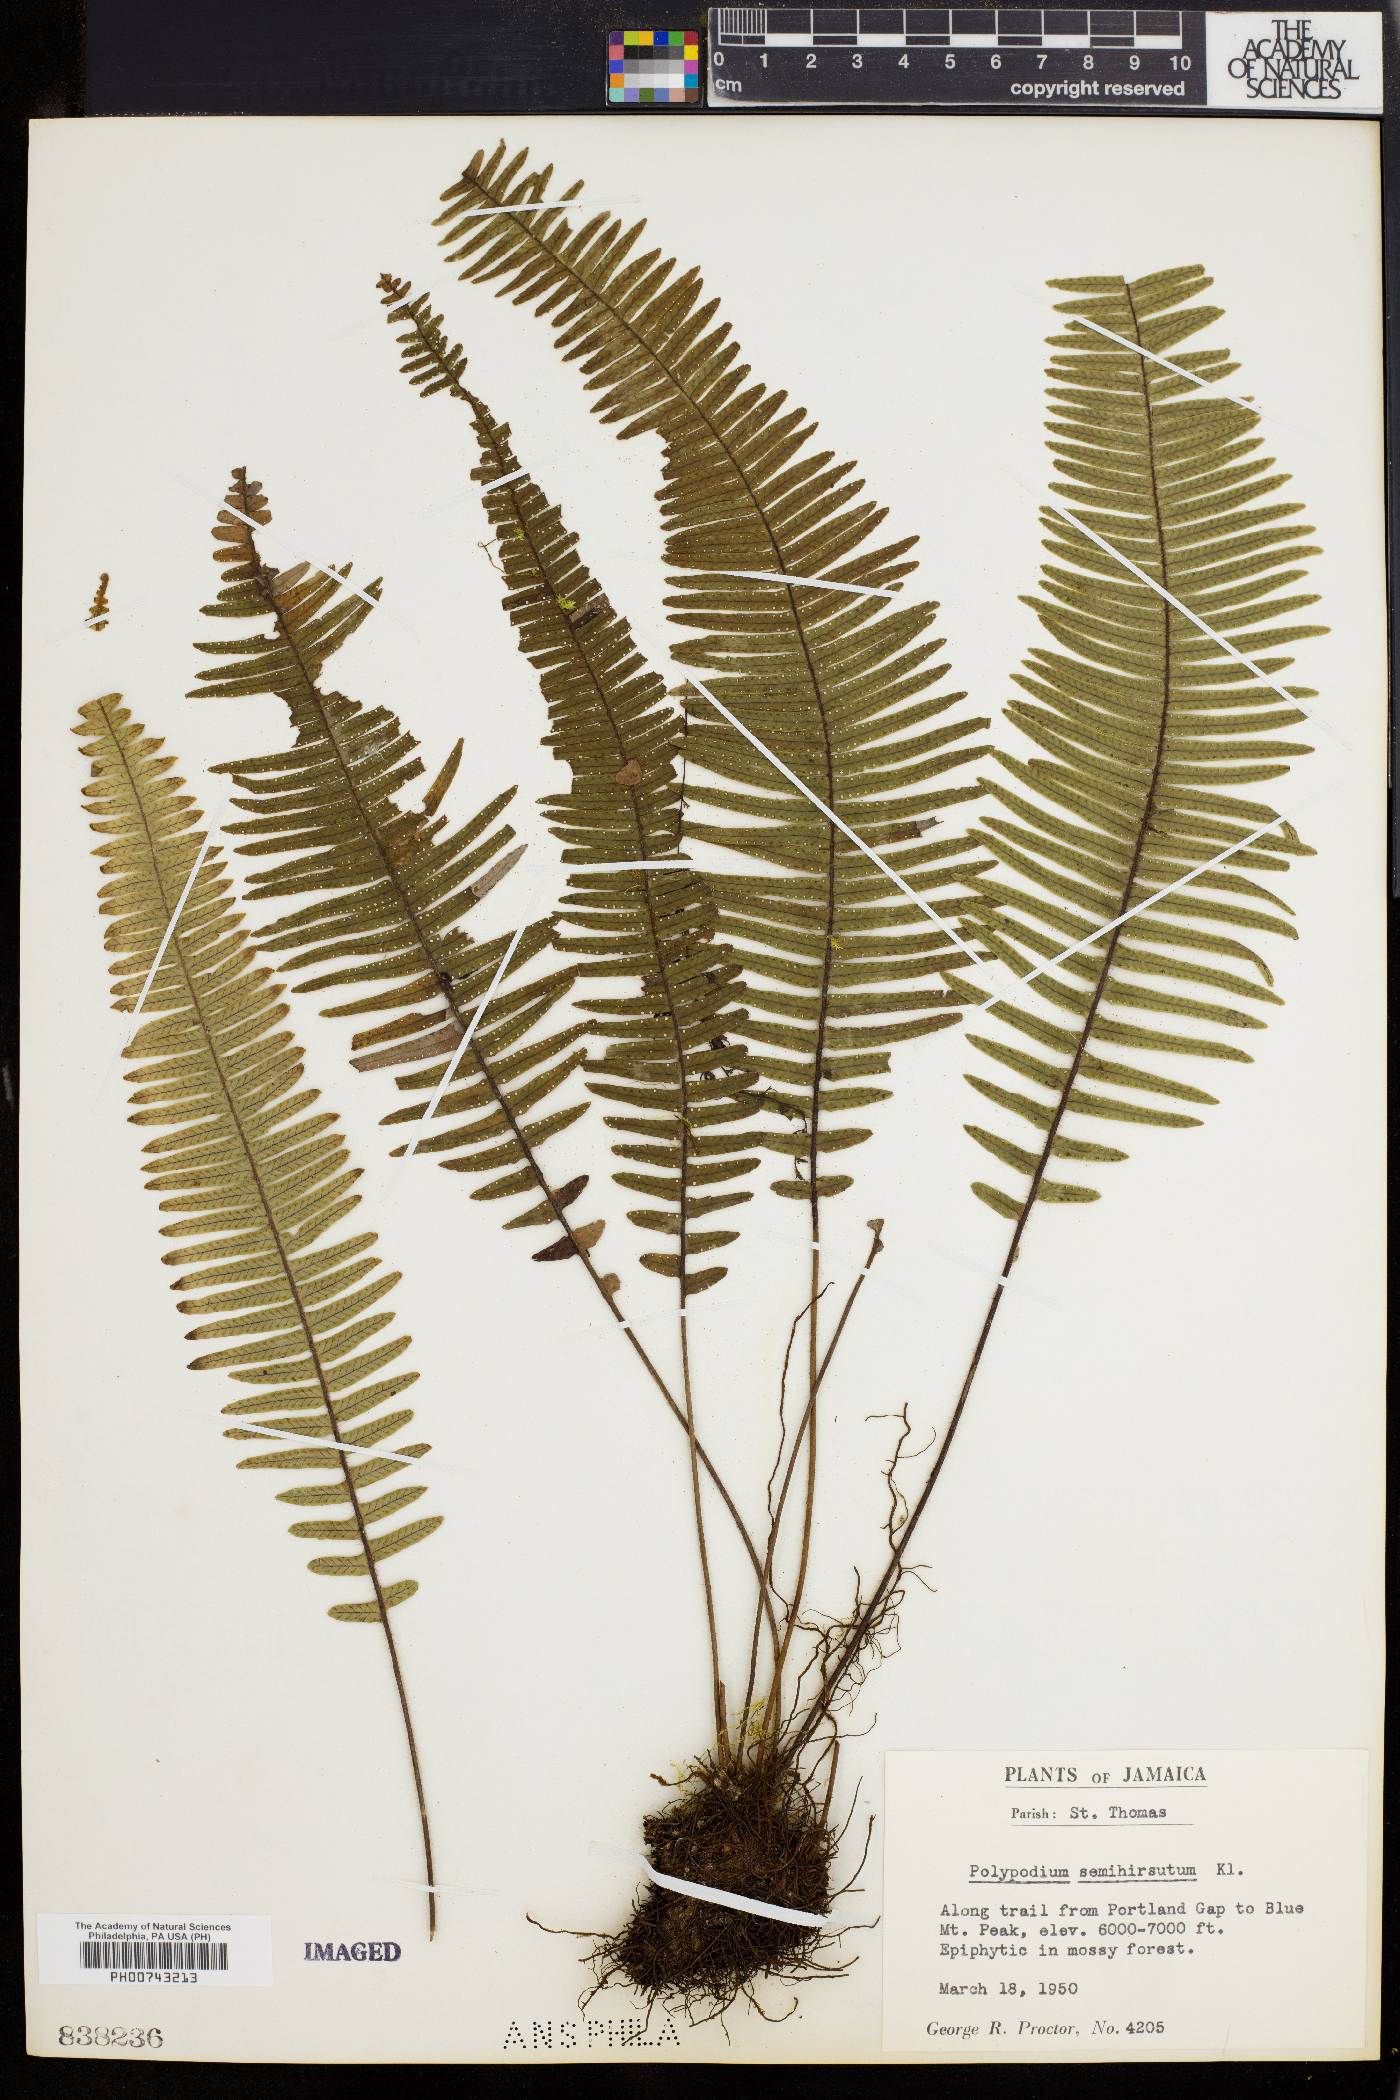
(1106, 58)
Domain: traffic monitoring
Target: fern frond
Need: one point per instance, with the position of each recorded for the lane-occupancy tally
(1145, 731)
(253, 1177)
(836, 965)
(390, 886)
(670, 1059)
(387, 888)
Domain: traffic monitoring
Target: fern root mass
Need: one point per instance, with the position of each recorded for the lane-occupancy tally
(751, 1830)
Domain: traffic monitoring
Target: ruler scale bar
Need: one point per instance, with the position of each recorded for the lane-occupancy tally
(1128, 58)
(988, 29)
(1129, 61)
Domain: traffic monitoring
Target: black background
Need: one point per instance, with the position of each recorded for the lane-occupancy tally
(351, 57)
(59, 58)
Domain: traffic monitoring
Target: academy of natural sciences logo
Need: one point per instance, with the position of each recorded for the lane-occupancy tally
(1293, 65)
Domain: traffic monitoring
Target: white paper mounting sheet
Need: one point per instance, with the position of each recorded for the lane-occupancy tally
(1162, 1524)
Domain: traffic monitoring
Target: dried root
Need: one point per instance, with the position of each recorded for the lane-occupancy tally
(751, 1829)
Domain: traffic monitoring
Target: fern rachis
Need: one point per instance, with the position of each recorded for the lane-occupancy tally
(254, 1180)
(1146, 728)
(673, 1078)
(838, 688)
(1142, 739)
(391, 885)
(1117, 863)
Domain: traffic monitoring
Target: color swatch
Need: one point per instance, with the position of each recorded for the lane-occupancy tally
(653, 65)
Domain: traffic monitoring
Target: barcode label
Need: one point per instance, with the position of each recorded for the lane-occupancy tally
(152, 1954)
(175, 1949)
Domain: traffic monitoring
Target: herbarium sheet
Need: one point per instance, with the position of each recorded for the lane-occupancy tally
(793, 713)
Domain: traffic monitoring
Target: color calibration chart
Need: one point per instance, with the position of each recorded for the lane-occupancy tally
(653, 65)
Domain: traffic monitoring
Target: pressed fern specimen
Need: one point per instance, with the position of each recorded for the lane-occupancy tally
(255, 1183)
(1122, 867)
(836, 684)
(669, 1054)
(391, 887)
(390, 884)
(1143, 733)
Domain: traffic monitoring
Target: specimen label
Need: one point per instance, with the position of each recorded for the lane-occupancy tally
(1120, 1903)
(179, 1947)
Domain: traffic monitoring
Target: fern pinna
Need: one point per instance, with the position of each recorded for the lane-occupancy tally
(255, 1181)
(390, 887)
(632, 912)
(830, 678)
(836, 683)
(1142, 732)
(669, 1055)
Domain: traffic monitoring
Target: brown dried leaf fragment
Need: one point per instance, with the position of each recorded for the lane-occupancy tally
(558, 1202)
(432, 801)
(583, 1241)
(487, 881)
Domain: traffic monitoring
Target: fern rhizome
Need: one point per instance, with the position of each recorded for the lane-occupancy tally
(732, 1016)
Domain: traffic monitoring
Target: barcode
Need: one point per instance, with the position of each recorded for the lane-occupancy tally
(152, 1954)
